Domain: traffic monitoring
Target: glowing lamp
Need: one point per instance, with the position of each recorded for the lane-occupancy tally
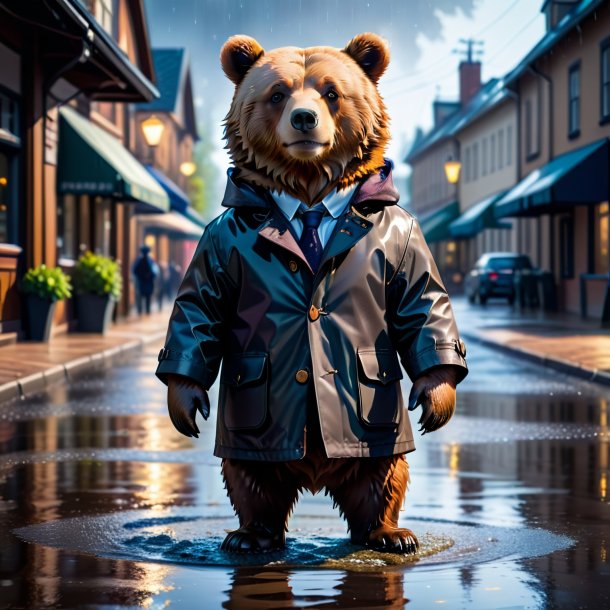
(153, 130)
(188, 168)
(452, 170)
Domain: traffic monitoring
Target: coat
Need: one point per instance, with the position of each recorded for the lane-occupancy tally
(250, 301)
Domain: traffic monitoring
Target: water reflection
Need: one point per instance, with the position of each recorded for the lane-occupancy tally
(513, 460)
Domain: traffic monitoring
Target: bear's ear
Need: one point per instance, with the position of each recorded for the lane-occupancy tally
(371, 53)
(238, 55)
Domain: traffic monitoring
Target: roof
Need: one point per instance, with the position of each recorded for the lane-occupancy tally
(175, 88)
(552, 37)
(170, 66)
(491, 93)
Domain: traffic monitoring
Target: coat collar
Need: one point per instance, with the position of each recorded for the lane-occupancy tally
(376, 190)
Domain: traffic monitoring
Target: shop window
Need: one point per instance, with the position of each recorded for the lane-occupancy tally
(574, 100)
(102, 226)
(601, 238)
(566, 248)
(8, 197)
(67, 228)
(605, 80)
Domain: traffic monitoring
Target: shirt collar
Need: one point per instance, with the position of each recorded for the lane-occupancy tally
(335, 202)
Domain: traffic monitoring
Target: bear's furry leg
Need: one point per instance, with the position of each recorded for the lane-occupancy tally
(371, 500)
(263, 495)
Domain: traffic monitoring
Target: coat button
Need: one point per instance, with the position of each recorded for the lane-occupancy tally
(292, 265)
(302, 375)
(461, 348)
(314, 313)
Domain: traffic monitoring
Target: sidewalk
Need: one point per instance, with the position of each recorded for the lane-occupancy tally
(560, 341)
(29, 367)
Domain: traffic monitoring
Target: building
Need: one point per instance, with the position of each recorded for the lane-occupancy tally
(486, 133)
(562, 89)
(67, 181)
(168, 157)
(434, 199)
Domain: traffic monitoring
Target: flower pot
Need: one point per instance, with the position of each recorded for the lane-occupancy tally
(40, 314)
(94, 312)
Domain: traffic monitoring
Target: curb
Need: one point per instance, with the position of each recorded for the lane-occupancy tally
(563, 366)
(68, 371)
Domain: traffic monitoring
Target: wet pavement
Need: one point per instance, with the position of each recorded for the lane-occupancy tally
(104, 505)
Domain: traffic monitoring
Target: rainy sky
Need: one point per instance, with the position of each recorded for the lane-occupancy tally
(423, 36)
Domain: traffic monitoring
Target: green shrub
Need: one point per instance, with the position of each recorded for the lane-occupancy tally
(49, 283)
(97, 274)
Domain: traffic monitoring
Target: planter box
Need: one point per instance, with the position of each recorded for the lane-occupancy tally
(94, 312)
(40, 314)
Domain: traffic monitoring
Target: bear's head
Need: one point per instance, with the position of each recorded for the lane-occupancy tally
(306, 121)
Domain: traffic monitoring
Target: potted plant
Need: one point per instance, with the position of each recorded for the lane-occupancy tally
(97, 281)
(43, 286)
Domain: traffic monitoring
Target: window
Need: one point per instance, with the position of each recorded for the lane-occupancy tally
(102, 226)
(601, 238)
(67, 234)
(501, 149)
(475, 161)
(574, 100)
(492, 156)
(566, 248)
(485, 158)
(467, 168)
(509, 145)
(9, 120)
(529, 128)
(605, 80)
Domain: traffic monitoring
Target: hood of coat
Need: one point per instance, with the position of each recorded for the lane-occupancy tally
(377, 189)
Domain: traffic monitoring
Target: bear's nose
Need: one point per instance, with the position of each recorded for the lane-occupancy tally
(303, 119)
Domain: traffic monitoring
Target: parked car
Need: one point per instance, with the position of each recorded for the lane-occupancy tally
(494, 276)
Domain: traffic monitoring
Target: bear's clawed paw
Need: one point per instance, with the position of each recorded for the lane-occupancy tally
(253, 539)
(393, 540)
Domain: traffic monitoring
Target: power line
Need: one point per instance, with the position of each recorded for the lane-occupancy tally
(444, 58)
(435, 80)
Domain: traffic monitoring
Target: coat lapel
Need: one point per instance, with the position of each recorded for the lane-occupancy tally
(350, 229)
(278, 233)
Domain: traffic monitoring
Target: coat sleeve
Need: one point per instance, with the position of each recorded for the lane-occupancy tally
(193, 346)
(420, 317)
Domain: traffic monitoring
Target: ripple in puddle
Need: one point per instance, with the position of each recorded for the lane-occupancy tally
(184, 536)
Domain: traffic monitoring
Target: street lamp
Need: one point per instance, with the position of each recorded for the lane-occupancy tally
(153, 130)
(188, 168)
(452, 170)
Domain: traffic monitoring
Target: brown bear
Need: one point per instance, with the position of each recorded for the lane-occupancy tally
(308, 289)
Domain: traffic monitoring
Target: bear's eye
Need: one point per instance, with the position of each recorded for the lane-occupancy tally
(277, 97)
(332, 95)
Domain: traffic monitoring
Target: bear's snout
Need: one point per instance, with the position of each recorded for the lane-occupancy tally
(303, 119)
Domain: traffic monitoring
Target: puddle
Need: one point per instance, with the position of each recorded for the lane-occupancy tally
(184, 536)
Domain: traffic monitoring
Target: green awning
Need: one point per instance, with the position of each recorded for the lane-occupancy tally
(92, 162)
(478, 218)
(435, 226)
(172, 223)
(579, 177)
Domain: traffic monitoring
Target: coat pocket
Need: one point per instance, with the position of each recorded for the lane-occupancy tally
(380, 399)
(243, 390)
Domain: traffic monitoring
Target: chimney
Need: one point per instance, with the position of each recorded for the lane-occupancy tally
(470, 80)
(556, 10)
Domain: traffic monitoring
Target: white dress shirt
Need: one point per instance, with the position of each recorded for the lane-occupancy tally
(335, 203)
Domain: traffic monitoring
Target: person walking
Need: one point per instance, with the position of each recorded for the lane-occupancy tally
(145, 271)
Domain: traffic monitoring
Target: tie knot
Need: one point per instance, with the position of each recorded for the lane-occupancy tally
(312, 218)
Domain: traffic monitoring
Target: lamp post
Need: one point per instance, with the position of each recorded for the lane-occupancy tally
(153, 128)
